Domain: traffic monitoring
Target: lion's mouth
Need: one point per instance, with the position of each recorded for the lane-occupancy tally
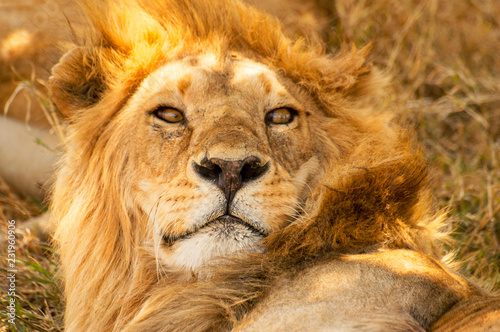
(226, 226)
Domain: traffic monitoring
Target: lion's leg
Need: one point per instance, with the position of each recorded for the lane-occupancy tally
(27, 157)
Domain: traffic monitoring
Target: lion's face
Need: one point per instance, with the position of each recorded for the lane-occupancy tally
(227, 154)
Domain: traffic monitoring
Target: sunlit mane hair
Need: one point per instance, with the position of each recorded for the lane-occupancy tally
(100, 229)
(130, 39)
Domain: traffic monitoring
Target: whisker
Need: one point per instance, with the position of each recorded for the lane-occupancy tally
(160, 231)
(156, 231)
(305, 183)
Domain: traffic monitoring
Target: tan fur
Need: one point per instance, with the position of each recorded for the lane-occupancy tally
(333, 293)
(395, 290)
(340, 217)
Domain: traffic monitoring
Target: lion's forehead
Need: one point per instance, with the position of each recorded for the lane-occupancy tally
(212, 76)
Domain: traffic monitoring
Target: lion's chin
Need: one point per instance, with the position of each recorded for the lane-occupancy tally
(223, 237)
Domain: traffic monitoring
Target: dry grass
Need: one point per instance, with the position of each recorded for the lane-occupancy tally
(444, 58)
(39, 306)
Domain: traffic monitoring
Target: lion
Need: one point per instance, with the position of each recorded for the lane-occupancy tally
(221, 173)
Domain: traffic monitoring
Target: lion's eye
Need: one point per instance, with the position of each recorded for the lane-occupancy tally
(281, 115)
(168, 114)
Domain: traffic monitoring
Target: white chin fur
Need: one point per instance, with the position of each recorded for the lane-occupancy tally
(218, 239)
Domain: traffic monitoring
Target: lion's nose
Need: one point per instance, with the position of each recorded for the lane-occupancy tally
(230, 175)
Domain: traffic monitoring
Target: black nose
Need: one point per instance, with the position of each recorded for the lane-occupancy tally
(230, 175)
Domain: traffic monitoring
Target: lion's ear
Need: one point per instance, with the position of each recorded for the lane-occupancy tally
(77, 81)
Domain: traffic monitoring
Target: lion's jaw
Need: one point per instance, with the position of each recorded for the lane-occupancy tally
(194, 216)
(219, 238)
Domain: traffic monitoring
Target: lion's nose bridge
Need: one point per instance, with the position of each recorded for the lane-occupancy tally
(230, 144)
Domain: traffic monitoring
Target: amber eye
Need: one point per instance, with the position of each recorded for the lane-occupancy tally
(168, 114)
(282, 115)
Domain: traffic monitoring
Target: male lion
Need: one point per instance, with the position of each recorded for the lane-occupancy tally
(219, 174)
